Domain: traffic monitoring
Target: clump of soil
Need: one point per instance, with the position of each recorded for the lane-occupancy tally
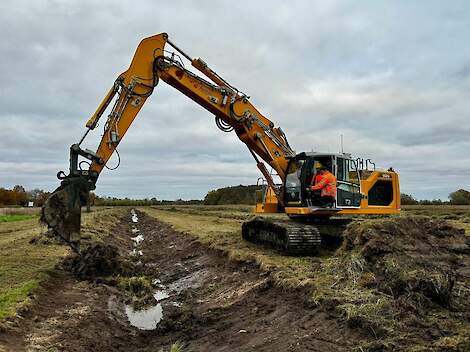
(43, 239)
(138, 290)
(98, 260)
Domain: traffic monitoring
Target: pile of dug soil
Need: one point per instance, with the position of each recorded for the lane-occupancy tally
(417, 257)
(99, 260)
(419, 268)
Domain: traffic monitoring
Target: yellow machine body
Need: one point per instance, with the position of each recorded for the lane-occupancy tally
(365, 208)
(379, 192)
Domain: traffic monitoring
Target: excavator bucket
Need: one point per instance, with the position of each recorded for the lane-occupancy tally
(62, 211)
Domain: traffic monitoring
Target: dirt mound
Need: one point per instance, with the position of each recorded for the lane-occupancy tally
(415, 272)
(99, 260)
(416, 257)
(405, 235)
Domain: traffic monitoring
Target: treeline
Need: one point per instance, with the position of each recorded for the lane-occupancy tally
(18, 196)
(112, 201)
(459, 197)
(232, 195)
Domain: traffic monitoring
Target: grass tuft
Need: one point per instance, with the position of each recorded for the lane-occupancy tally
(176, 347)
(16, 217)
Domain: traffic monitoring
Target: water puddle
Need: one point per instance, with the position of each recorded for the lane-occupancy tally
(137, 239)
(136, 252)
(134, 217)
(160, 295)
(146, 319)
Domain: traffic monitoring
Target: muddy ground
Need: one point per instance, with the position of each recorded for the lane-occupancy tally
(204, 301)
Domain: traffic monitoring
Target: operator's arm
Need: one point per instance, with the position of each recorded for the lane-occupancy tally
(320, 184)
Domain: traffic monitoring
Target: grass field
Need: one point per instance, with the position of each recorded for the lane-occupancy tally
(339, 281)
(23, 265)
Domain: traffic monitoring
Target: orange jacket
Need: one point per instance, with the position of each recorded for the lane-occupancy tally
(327, 185)
(315, 179)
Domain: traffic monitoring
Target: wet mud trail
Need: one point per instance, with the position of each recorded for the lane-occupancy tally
(200, 298)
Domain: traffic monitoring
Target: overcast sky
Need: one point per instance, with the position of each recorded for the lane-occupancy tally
(392, 76)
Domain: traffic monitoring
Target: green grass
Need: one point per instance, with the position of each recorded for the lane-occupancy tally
(176, 347)
(23, 266)
(10, 298)
(17, 217)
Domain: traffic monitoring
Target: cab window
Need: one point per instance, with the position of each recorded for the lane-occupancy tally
(346, 170)
(341, 169)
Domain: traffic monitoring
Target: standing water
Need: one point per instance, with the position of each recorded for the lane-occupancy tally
(134, 218)
(146, 319)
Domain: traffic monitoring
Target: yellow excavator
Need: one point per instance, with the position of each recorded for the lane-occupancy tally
(361, 188)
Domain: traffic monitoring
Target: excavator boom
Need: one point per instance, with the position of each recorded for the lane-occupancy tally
(151, 62)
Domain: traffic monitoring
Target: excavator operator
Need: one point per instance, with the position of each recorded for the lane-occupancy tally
(323, 187)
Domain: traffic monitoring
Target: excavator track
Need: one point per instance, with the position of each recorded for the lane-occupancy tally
(292, 238)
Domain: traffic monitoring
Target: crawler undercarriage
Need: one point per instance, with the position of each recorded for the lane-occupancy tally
(295, 236)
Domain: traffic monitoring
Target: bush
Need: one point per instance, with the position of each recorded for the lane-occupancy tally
(407, 199)
(460, 197)
(232, 195)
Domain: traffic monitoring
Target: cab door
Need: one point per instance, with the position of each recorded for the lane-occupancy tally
(347, 183)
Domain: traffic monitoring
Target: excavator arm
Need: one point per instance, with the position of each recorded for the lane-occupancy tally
(150, 64)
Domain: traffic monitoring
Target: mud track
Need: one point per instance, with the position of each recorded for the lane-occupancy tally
(214, 304)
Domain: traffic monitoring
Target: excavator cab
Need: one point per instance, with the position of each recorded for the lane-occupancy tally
(361, 188)
(302, 171)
